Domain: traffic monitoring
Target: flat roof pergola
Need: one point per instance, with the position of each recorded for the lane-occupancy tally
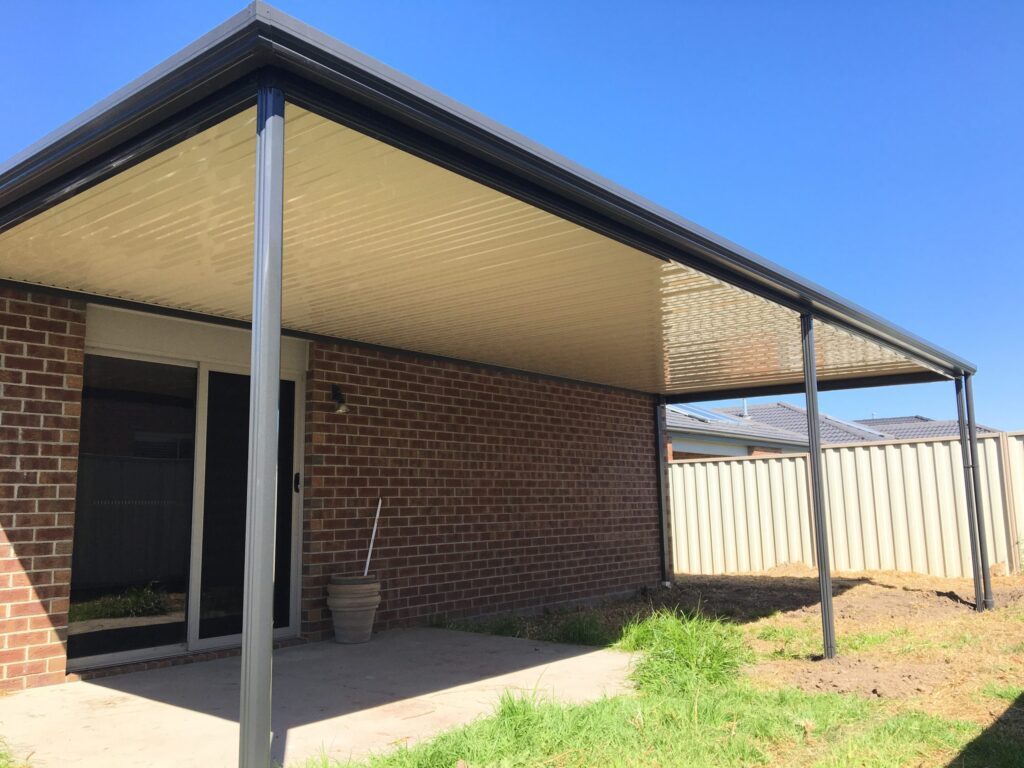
(387, 214)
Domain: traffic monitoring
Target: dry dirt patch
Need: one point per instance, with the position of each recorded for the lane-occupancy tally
(913, 640)
(913, 643)
(873, 678)
(870, 598)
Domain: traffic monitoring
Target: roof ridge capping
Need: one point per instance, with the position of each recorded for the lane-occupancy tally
(261, 35)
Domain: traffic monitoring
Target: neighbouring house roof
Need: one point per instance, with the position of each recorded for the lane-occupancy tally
(787, 424)
(793, 418)
(912, 427)
(680, 418)
(892, 420)
(413, 223)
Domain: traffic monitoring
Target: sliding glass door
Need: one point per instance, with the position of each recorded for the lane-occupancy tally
(159, 539)
(222, 551)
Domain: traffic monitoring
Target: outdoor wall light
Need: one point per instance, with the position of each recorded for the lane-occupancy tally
(339, 399)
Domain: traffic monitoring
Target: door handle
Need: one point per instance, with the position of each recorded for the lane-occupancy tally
(297, 482)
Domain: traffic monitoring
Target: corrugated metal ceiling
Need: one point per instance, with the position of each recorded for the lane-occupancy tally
(387, 248)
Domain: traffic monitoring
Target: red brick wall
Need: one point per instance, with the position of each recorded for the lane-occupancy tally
(501, 491)
(755, 451)
(41, 343)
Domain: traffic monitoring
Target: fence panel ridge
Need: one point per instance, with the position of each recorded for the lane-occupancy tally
(891, 505)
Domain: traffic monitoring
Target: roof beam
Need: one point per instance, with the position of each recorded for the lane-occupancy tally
(797, 388)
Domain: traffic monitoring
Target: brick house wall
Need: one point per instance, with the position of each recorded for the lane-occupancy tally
(41, 356)
(501, 491)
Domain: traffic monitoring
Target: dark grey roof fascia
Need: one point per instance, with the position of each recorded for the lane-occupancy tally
(262, 36)
(223, 55)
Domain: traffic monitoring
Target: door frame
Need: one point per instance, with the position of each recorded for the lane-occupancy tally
(194, 642)
(134, 335)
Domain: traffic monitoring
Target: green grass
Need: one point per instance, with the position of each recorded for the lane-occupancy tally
(137, 601)
(505, 625)
(508, 625)
(908, 737)
(7, 759)
(731, 725)
(994, 748)
(959, 640)
(862, 641)
(692, 708)
(1008, 693)
(581, 629)
(804, 642)
(683, 651)
(791, 642)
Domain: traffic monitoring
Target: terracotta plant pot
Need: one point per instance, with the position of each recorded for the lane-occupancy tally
(353, 601)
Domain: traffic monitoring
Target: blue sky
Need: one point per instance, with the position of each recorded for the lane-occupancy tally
(874, 147)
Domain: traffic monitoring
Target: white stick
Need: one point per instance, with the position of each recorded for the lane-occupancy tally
(373, 536)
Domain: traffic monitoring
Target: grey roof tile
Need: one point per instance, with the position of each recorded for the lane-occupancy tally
(788, 423)
(880, 423)
(915, 427)
(793, 418)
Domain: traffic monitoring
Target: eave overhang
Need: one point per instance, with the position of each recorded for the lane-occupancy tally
(216, 77)
(735, 439)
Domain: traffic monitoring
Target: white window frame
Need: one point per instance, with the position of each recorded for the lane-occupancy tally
(149, 337)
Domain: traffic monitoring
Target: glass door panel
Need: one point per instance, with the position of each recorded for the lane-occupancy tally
(133, 514)
(224, 500)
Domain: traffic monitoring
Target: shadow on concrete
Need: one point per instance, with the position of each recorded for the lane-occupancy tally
(319, 681)
(1001, 744)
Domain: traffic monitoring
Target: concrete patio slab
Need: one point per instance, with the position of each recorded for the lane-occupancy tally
(345, 701)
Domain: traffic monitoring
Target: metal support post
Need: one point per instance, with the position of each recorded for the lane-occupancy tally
(817, 485)
(264, 392)
(972, 521)
(663, 506)
(972, 428)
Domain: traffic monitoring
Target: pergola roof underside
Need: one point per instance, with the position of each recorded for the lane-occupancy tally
(386, 248)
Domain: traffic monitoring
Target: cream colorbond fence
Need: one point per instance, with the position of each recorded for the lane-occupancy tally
(1013, 471)
(895, 505)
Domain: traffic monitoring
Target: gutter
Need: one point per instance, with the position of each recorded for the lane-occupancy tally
(737, 439)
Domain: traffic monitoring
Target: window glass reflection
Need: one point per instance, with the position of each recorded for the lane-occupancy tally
(133, 515)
